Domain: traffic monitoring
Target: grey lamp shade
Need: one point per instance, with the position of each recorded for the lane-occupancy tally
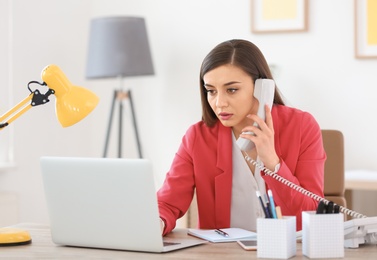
(118, 46)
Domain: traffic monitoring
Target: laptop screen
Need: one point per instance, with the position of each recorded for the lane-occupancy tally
(102, 202)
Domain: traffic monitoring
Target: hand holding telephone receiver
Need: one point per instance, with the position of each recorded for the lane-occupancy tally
(264, 90)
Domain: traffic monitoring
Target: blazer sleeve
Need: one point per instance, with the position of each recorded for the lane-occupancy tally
(302, 159)
(176, 193)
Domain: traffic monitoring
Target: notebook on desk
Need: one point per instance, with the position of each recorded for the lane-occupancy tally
(105, 203)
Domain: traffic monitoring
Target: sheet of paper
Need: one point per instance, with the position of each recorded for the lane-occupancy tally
(234, 234)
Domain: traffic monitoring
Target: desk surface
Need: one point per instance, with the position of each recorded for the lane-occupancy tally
(43, 248)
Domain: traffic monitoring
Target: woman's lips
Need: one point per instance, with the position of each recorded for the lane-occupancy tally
(225, 116)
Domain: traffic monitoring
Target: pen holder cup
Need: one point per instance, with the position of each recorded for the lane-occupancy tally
(322, 235)
(276, 237)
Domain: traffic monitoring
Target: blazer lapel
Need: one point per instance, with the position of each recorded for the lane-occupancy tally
(223, 182)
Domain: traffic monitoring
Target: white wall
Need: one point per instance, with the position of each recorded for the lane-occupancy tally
(317, 73)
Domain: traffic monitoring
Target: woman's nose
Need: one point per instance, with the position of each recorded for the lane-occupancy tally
(221, 101)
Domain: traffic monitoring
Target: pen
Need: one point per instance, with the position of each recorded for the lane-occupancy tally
(220, 232)
(268, 205)
(272, 203)
(330, 208)
(321, 208)
(336, 208)
(262, 204)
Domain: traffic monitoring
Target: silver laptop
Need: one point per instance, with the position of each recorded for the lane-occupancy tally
(105, 203)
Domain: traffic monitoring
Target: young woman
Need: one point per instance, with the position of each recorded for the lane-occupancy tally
(209, 162)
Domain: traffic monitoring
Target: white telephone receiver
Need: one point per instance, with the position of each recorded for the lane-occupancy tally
(264, 90)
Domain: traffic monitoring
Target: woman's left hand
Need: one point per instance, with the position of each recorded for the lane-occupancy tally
(263, 139)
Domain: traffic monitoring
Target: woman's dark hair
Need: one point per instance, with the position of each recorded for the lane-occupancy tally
(240, 53)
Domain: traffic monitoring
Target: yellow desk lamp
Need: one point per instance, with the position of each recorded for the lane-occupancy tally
(73, 103)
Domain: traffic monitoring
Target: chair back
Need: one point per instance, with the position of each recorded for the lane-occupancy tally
(333, 143)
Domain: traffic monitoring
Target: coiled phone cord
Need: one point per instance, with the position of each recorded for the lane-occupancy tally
(301, 189)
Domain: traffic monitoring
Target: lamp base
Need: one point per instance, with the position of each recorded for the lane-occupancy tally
(14, 237)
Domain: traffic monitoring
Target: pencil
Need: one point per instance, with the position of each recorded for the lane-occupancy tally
(278, 212)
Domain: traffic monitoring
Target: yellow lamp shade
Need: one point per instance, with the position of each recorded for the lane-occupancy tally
(73, 103)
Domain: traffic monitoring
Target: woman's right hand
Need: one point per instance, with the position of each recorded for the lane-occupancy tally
(162, 225)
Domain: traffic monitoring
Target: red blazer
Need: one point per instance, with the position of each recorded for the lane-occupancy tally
(204, 162)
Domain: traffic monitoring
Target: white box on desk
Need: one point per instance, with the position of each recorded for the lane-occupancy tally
(276, 237)
(322, 235)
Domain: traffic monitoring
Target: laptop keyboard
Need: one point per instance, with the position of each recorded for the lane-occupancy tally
(170, 243)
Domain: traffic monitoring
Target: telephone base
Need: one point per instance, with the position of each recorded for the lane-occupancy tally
(360, 231)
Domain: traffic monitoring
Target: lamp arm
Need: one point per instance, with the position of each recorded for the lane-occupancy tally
(34, 99)
(15, 112)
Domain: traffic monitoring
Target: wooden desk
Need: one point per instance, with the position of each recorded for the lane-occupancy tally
(360, 180)
(43, 248)
(364, 180)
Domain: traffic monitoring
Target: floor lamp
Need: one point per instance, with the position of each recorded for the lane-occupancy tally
(119, 47)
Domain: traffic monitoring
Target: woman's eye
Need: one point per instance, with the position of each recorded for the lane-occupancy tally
(210, 91)
(232, 90)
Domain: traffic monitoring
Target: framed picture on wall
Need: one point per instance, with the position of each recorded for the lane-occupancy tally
(272, 16)
(365, 29)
